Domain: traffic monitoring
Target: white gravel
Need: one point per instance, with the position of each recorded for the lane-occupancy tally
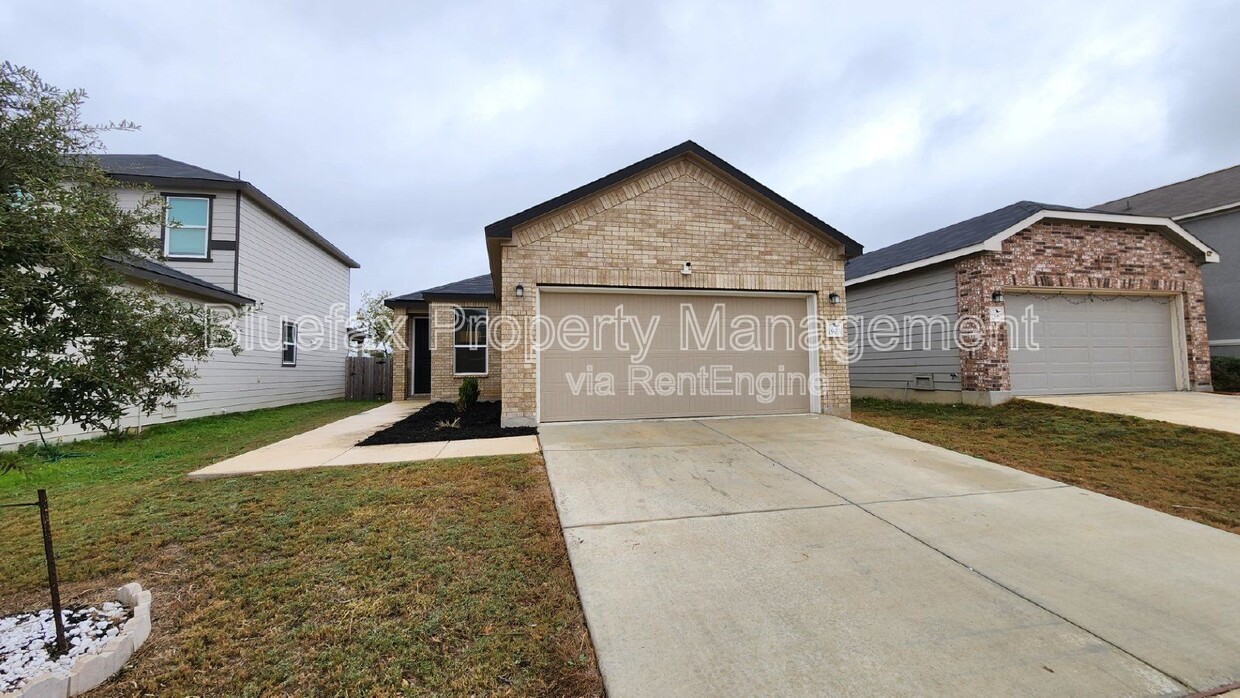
(28, 641)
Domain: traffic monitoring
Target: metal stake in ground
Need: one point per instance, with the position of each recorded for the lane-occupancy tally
(53, 582)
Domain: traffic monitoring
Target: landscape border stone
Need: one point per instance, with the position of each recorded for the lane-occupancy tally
(93, 669)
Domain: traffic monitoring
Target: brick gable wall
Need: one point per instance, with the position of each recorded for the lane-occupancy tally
(640, 232)
(1078, 256)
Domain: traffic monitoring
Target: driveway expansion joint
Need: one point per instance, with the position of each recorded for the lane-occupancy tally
(962, 494)
(968, 567)
(1010, 590)
(747, 512)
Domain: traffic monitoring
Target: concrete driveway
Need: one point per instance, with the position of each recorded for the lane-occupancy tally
(810, 555)
(1202, 410)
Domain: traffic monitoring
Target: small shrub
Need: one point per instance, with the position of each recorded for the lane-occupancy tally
(445, 424)
(1225, 372)
(467, 395)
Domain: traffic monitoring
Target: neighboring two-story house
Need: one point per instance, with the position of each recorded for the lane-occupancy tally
(1209, 207)
(227, 243)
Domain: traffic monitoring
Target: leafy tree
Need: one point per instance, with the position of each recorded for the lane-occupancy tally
(79, 342)
(377, 321)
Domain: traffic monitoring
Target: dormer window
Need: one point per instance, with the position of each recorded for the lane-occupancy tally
(187, 227)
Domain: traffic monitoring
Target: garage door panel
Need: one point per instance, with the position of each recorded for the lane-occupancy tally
(560, 369)
(1117, 345)
(1148, 355)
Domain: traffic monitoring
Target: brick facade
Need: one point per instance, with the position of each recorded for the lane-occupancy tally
(444, 381)
(1083, 257)
(640, 232)
(400, 354)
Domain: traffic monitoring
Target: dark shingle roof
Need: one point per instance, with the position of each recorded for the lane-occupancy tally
(1190, 196)
(503, 228)
(162, 274)
(473, 287)
(394, 301)
(157, 166)
(157, 169)
(954, 237)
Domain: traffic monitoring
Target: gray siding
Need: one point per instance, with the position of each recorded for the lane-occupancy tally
(1222, 280)
(929, 293)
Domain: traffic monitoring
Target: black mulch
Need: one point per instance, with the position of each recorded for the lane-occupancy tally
(480, 422)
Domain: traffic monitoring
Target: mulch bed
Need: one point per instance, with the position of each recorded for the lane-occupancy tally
(479, 422)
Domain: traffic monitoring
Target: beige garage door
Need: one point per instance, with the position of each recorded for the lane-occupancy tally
(644, 355)
(1102, 344)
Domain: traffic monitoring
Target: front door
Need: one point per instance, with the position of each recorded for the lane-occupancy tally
(421, 356)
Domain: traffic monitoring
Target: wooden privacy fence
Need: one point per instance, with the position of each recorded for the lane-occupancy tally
(369, 378)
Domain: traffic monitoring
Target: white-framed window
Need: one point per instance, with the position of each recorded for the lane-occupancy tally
(187, 227)
(469, 350)
(288, 333)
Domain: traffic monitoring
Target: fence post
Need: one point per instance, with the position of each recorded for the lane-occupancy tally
(52, 580)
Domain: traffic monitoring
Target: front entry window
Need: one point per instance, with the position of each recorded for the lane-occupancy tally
(470, 342)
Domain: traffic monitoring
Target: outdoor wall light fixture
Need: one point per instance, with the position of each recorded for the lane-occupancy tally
(687, 269)
(520, 290)
(997, 296)
(833, 299)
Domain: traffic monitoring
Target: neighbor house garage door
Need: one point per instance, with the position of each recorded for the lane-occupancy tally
(1093, 344)
(687, 369)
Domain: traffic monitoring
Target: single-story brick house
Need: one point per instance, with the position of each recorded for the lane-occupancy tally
(1032, 299)
(657, 246)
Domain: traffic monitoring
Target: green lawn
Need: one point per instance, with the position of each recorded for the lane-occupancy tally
(1193, 473)
(442, 577)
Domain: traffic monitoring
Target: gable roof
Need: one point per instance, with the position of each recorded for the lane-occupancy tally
(1199, 195)
(503, 228)
(162, 171)
(473, 287)
(987, 232)
(164, 275)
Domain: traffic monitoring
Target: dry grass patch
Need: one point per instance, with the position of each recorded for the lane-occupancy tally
(1192, 473)
(441, 578)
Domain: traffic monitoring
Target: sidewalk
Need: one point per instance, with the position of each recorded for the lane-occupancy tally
(334, 444)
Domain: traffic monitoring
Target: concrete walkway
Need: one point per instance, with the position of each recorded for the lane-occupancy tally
(1202, 410)
(810, 555)
(335, 444)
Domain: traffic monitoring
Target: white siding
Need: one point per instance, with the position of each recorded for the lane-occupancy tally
(219, 269)
(289, 277)
(929, 293)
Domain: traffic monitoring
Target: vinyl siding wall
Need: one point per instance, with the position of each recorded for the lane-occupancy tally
(289, 277)
(219, 270)
(1222, 280)
(930, 294)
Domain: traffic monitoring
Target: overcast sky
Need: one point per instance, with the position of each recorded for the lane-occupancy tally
(399, 130)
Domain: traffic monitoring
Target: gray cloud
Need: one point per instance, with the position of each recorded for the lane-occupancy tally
(400, 129)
